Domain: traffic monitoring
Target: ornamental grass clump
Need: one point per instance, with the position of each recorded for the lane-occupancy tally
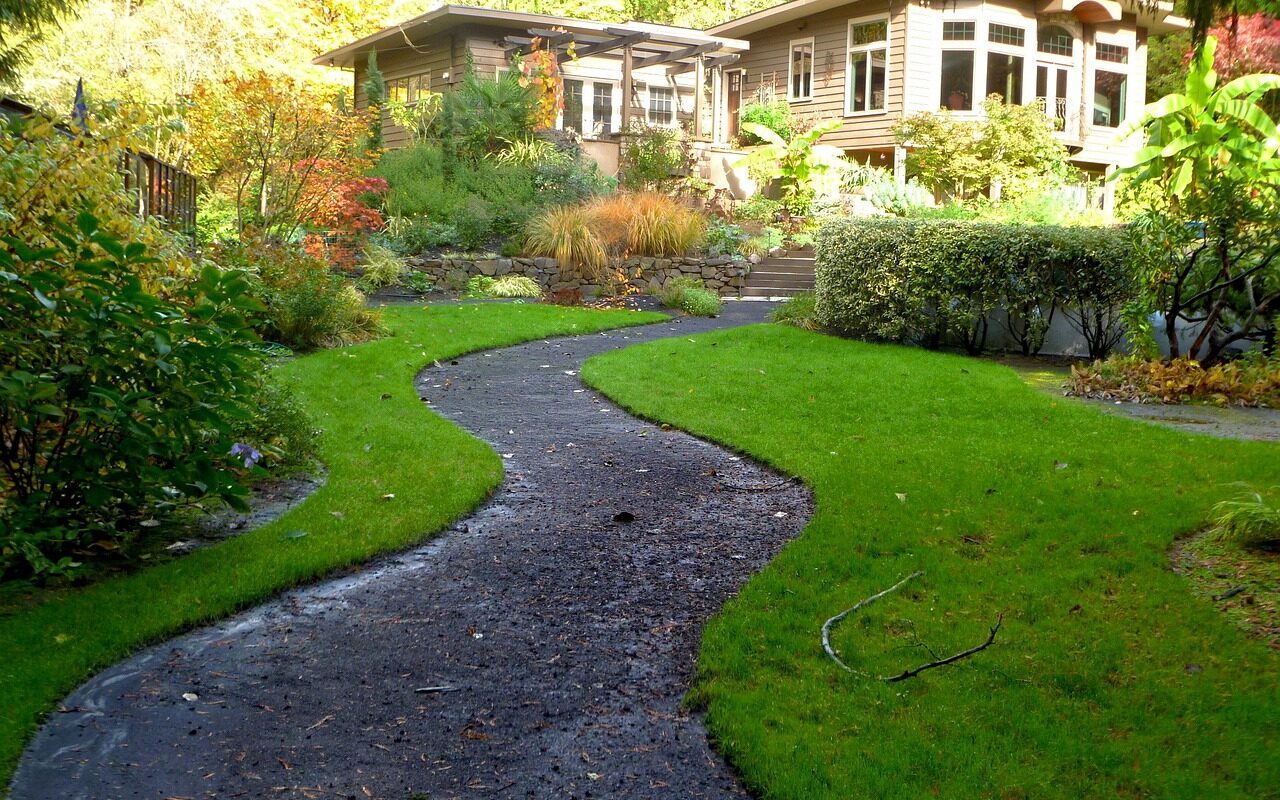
(1248, 521)
(565, 234)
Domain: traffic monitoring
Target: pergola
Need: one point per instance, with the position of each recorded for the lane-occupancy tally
(640, 46)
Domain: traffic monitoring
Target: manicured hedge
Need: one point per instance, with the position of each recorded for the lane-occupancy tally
(935, 282)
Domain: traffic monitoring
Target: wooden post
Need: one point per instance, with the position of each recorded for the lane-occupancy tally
(699, 89)
(626, 88)
(716, 102)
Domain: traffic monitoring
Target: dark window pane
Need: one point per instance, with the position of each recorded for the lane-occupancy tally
(869, 33)
(573, 105)
(801, 70)
(957, 80)
(1004, 77)
(958, 31)
(858, 81)
(879, 79)
(1110, 95)
(661, 105)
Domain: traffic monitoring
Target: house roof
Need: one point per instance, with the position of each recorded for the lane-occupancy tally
(1156, 17)
(659, 39)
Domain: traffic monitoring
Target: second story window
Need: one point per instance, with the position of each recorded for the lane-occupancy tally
(957, 65)
(1055, 41)
(1110, 84)
(662, 105)
(1004, 65)
(800, 86)
(867, 70)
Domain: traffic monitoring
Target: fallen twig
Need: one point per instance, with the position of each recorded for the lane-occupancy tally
(829, 624)
(435, 689)
(942, 662)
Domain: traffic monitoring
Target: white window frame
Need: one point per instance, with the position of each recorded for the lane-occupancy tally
(589, 108)
(850, 49)
(579, 125)
(648, 105)
(1097, 65)
(1028, 40)
(791, 63)
(975, 46)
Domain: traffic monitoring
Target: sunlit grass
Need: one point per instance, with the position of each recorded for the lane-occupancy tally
(396, 474)
(1110, 677)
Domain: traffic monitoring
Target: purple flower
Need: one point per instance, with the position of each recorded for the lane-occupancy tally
(246, 451)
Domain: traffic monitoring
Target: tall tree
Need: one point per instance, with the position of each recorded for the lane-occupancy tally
(21, 23)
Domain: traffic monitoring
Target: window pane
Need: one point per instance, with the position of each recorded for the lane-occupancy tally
(1114, 53)
(879, 78)
(1006, 34)
(1055, 40)
(661, 105)
(869, 33)
(1004, 77)
(573, 105)
(801, 70)
(602, 107)
(957, 80)
(858, 63)
(1110, 93)
(958, 31)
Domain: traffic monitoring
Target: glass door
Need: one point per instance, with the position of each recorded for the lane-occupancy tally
(1052, 81)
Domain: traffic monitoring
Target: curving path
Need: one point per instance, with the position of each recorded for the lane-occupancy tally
(566, 638)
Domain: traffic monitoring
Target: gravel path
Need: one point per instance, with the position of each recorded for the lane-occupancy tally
(564, 634)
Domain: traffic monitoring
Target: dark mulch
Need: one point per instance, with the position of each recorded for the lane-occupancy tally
(563, 618)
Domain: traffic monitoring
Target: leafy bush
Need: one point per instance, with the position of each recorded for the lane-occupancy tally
(757, 208)
(382, 268)
(898, 199)
(276, 426)
(723, 238)
(1250, 380)
(416, 281)
(481, 114)
(775, 115)
(107, 424)
(1248, 521)
(414, 236)
(690, 296)
(799, 312)
(306, 304)
(515, 286)
(475, 223)
(479, 286)
(653, 157)
(760, 244)
(933, 283)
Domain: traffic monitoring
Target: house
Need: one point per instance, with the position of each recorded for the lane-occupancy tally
(873, 62)
(656, 67)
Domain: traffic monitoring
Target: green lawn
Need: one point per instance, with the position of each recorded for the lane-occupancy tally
(1110, 677)
(379, 439)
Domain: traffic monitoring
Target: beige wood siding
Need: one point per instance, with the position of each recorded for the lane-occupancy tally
(436, 56)
(766, 64)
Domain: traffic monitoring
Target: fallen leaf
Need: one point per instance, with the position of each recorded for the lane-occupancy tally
(902, 497)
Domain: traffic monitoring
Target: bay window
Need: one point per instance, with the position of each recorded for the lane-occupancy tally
(800, 71)
(867, 69)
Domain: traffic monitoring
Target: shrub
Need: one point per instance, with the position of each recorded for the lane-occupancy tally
(306, 304)
(932, 283)
(382, 268)
(900, 200)
(412, 236)
(1248, 521)
(474, 224)
(481, 113)
(723, 238)
(799, 312)
(276, 426)
(479, 286)
(653, 157)
(690, 296)
(757, 208)
(106, 424)
(515, 286)
(565, 233)
(1250, 380)
(416, 281)
(775, 115)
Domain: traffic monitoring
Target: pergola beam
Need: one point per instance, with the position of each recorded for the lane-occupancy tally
(676, 55)
(711, 63)
(624, 41)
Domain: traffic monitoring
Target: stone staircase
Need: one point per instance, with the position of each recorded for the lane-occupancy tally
(781, 276)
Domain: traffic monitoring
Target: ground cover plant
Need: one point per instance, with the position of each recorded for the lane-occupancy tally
(1108, 677)
(383, 491)
(691, 296)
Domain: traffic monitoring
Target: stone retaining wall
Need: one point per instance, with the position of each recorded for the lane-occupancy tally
(723, 274)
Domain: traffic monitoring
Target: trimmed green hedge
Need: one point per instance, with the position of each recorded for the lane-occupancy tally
(936, 282)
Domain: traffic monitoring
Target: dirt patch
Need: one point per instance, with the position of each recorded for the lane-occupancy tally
(1243, 584)
(541, 648)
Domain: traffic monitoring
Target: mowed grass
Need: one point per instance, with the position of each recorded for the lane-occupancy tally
(1110, 678)
(379, 439)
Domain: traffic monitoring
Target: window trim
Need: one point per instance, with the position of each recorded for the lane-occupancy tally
(1097, 65)
(648, 105)
(791, 63)
(850, 48)
(582, 99)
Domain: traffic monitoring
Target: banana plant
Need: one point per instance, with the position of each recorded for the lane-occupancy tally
(1208, 132)
(798, 161)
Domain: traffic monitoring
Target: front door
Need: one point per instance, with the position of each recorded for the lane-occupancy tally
(734, 92)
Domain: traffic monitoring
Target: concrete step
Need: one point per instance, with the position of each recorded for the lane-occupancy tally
(781, 281)
(797, 263)
(766, 291)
